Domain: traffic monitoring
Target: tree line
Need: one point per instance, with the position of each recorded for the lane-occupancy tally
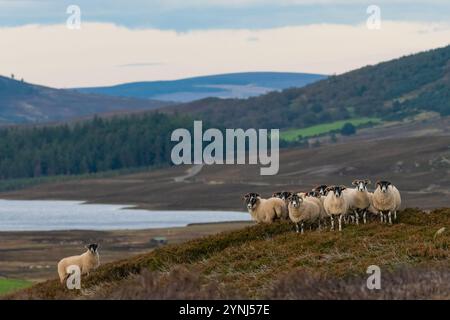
(88, 147)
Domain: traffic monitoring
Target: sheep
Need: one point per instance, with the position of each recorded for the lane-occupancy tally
(358, 199)
(86, 262)
(321, 189)
(283, 195)
(371, 208)
(315, 196)
(303, 210)
(386, 198)
(265, 210)
(335, 204)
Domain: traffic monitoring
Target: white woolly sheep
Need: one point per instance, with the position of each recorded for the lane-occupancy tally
(386, 198)
(335, 204)
(86, 262)
(265, 210)
(358, 199)
(303, 210)
(316, 197)
(321, 189)
(283, 195)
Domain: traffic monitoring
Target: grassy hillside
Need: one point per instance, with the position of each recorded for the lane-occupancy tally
(293, 134)
(9, 285)
(256, 260)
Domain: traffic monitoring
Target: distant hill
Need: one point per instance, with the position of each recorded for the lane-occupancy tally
(22, 102)
(390, 90)
(232, 85)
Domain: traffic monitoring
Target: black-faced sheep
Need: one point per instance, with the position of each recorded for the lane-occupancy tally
(335, 204)
(315, 196)
(386, 198)
(322, 189)
(358, 199)
(265, 210)
(86, 262)
(283, 195)
(303, 211)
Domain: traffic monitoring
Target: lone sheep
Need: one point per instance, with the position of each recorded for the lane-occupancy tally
(86, 262)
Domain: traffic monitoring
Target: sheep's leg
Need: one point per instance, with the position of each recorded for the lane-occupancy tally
(319, 226)
(390, 217)
(364, 216)
(340, 222)
(302, 227)
(357, 217)
(395, 215)
(332, 223)
(381, 217)
(297, 228)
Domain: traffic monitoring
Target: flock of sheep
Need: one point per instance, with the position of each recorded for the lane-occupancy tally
(327, 203)
(315, 207)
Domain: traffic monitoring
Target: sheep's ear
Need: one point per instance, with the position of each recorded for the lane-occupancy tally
(367, 181)
(343, 187)
(354, 182)
(257, 195)
(378, 183)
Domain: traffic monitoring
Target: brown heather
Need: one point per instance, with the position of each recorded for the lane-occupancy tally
(272, 261)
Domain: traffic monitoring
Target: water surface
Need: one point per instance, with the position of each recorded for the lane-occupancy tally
(46, 215)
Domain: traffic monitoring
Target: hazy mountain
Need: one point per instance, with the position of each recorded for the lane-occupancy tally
(233, 85)
(21, 102)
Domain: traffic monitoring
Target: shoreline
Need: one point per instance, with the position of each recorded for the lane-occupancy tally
(33, 255)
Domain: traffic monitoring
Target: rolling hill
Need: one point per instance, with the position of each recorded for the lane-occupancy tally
(232, 85)
(22, 102)
(390, 90)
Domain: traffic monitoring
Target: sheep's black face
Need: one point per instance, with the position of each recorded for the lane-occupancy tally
(295, 200)
(384, 185)
(93, 247)
(313, 194)
(251, 199)
(285, 195)
(337, 190)
(322, 189)
(361, 185)
(277, 195)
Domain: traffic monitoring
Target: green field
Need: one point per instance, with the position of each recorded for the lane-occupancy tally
(293, 134)
(10, 285)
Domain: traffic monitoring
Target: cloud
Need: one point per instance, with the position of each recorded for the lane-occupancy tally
(186, 15)
(59, 57)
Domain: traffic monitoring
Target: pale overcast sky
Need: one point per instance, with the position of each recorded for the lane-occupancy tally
(136, 40)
